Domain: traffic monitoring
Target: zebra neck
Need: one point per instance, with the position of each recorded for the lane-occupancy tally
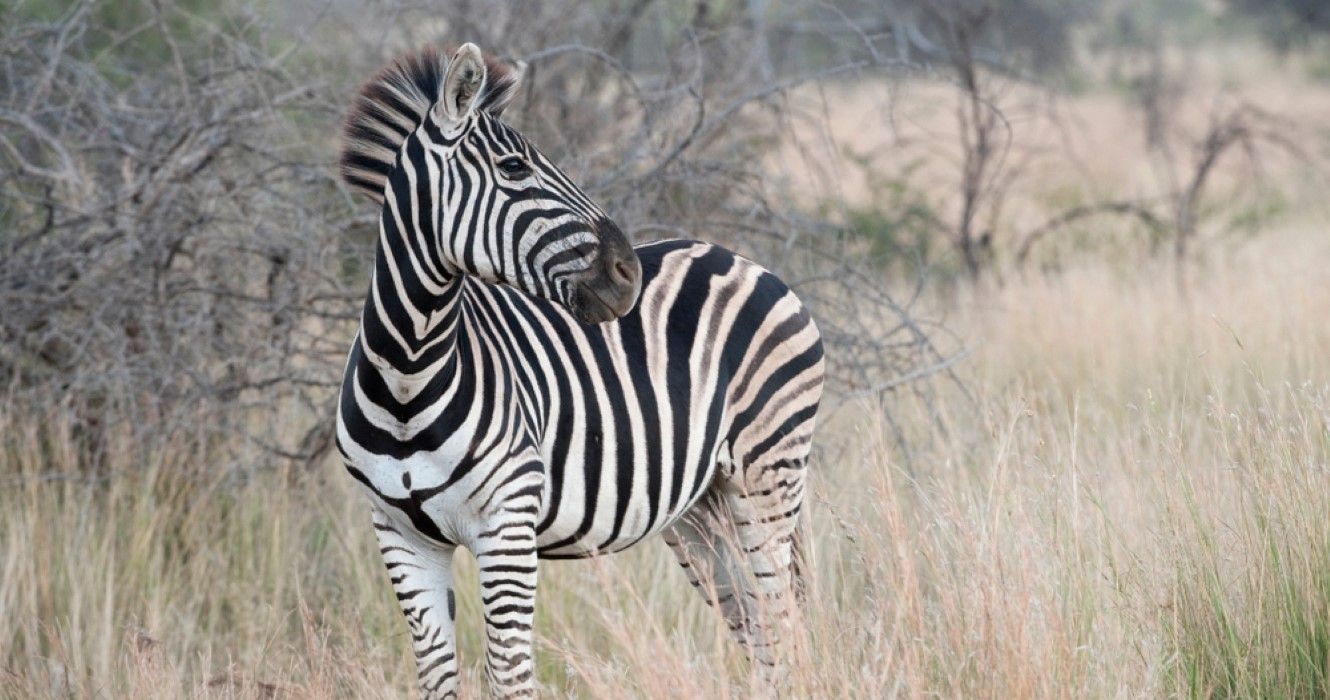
(411, 321)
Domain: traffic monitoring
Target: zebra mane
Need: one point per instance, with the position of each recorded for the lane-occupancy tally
(391, 105)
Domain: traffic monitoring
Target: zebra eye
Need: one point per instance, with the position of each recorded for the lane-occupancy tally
(514, 167)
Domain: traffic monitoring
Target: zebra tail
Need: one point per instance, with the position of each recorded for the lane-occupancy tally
(799, 564)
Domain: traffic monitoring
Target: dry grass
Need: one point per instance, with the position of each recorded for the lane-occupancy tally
(1134, 506)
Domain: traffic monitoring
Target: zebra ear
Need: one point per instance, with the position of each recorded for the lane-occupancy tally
(461, 85)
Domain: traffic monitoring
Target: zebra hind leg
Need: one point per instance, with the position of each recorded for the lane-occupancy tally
(739, 548)
(763, 511)
(710, 561)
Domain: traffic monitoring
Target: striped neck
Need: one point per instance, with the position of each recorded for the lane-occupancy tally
(413, 311)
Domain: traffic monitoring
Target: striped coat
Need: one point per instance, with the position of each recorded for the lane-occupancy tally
(527, 385)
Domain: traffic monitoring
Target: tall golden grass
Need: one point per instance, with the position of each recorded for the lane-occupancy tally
(1134, 503)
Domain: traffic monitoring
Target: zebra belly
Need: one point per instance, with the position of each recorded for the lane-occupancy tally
(449, 518)
(584, 528)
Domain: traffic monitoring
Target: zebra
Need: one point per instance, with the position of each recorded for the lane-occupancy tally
(527, 385)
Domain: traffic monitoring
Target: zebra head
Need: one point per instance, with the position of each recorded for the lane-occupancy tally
(426, 137)
(509, 214)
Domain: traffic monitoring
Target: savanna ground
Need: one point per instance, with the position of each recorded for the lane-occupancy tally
(1129, 499)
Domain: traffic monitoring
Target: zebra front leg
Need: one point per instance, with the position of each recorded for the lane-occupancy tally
(421, 575)
(506, 558)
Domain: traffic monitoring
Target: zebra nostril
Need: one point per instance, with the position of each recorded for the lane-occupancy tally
(623, 272)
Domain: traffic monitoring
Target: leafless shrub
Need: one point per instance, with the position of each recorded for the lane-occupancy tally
(1186, 156)
(983, 46)
(1141, 211)
(1187, 160)
(173, 233)
(168, 238)
(1241, 126)
(957, 28)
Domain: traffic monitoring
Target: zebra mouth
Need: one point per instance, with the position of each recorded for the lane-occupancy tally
(591, 307)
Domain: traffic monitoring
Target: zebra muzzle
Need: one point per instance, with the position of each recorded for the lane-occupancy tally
(612, 288)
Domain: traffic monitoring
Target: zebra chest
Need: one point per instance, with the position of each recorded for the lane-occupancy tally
(426, 462)
(443, 496)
